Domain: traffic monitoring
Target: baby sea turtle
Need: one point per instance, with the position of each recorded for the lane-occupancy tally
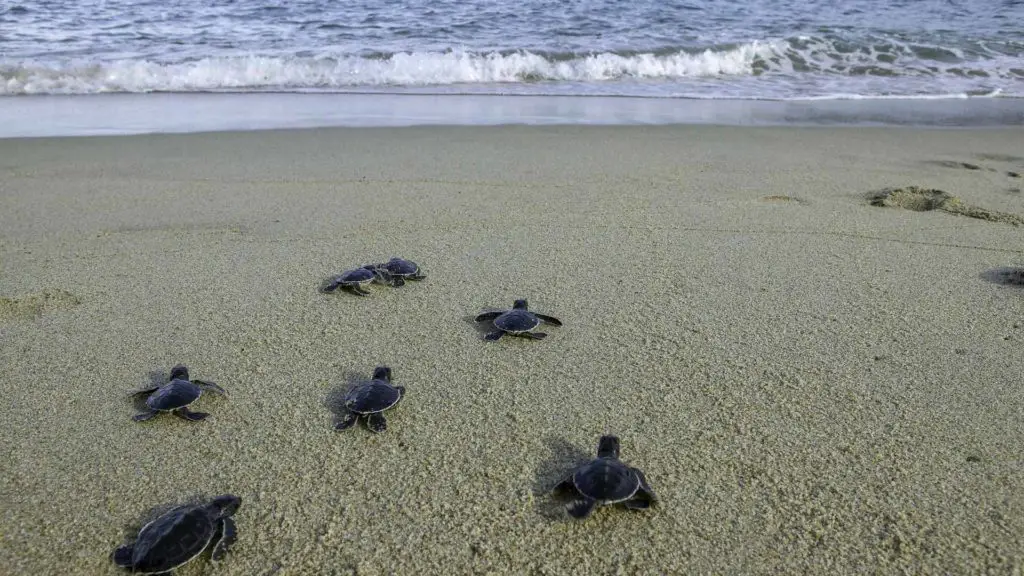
(371, 399)
(175, 396)
(354, 280)
(518, 321)
(399, 270)
(606, 480)
(181, 534)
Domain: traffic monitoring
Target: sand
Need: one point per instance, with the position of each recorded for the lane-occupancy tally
(812, 384)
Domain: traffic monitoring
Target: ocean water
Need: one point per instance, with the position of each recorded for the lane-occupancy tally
(691, 49)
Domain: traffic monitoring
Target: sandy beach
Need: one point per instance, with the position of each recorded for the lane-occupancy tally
(812, 384)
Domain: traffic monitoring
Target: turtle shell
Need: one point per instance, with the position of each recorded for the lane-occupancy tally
(173, 395)
(373, 396)
(355, 275)
(400, 267)
(606, 480)
(173, 539)
(516, 320)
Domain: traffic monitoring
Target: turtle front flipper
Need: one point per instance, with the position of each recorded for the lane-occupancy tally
(644, 497)
(187, 414)
(360, 290)
(638, 503)
(492, 336)
(123, 556)
(549, 319)
(211, 386)
(535, 335)
(347, 422)
(143, 416)
(581, 508)
(488, 316)
(226, 535)
(376, 422)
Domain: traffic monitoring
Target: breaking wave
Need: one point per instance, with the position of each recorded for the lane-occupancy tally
(802, 60)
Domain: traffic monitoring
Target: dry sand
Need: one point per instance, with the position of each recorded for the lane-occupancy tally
(811, 383)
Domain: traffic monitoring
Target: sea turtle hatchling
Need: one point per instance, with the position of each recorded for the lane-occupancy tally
(356, 280)
(175, 396)
(370, 399)
(181, 534)
(518, 321)
(606, 480)
(398, 270)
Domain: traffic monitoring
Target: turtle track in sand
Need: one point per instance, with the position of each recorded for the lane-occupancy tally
(34, 305)
(927, 199)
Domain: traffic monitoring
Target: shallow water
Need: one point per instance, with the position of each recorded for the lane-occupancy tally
(692, 49)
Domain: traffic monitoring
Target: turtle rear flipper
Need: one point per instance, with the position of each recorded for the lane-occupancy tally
(376, 422)
(581, 508)
(535, 335)
(347, 422)
(226, 535)
(397, 282)
(143, 416)
(549, 319)
(123, 556)
(358, 290)
(494, 335)
(187, 414)
(488, 316)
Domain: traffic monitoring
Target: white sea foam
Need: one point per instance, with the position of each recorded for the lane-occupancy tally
(796, 68)
(403, 69)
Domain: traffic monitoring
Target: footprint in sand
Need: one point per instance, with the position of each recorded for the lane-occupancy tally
(779, 198)
(924, 199)
(954, 164)
(1005, 158)
(33, 305)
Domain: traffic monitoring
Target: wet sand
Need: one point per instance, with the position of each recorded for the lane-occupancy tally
(811, 383)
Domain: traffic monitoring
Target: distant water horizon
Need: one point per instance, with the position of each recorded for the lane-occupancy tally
(783, 50)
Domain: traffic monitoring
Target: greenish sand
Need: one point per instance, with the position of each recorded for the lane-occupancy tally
(812, 384)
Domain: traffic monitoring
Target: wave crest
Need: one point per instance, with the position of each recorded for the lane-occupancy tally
(348, 72)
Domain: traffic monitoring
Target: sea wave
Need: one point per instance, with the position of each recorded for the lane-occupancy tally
(401, 69)
(793, 58)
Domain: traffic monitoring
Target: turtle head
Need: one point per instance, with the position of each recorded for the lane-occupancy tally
(179, 372)
(520, 304)
(227, 504)
(608, 447)
(382, 373)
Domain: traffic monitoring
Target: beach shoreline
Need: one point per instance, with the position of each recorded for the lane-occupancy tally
(155, 113)
(810, 383)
